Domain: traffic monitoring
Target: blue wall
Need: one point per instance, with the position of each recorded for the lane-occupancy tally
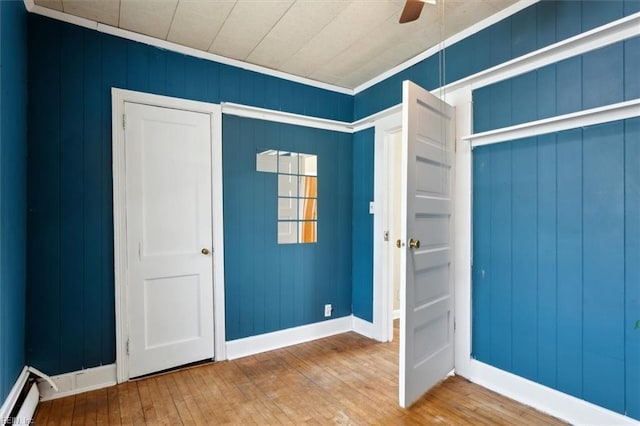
(556, 281)
(362, 226)
(13, 190)
(556, 271)
(271, 286)
(601, 77)
(70, 224)
(535, 27)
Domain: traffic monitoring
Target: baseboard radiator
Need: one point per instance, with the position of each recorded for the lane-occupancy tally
(22, 401)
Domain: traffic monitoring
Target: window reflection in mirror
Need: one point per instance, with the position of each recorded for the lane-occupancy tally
(297, 193)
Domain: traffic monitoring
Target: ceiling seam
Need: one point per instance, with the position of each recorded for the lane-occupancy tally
(173, 18)
(353, 43)
(215, 36)
(269, 32)
(316, 34)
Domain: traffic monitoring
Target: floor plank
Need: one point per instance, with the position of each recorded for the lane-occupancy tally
(343, 379)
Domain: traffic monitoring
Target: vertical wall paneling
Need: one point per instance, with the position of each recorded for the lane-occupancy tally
(569, 262)
(482, 232)
(540, 25)
(556, 249)
(70, 219)
(603, 268)
(362, 225)
(91, 205)
(632, 266)
(631, 67)
(547, 250)
(568, 85)
(602, 77)
(301, 278)
(71, 203)
(500, 261)
(602, 72)
(43, 215)
(524, 258)
(13, 134)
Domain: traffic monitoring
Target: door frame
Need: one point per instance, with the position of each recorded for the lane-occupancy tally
(119, 97)
(461, 100)
(382, 286)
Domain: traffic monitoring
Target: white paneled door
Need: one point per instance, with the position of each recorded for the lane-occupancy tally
(169, 237)
(426, 326)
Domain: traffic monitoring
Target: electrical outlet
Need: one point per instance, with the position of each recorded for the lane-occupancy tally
(327, 310)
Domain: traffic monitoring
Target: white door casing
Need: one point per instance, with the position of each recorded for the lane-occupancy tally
(167, 209)
(426, 325)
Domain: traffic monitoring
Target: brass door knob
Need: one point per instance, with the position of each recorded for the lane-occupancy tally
(204, 251)
(398, 243)
(414, 244)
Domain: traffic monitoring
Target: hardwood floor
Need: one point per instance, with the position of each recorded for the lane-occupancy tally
(344, 379)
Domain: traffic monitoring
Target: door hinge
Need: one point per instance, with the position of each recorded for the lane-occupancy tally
(124, 122)
(127, 346)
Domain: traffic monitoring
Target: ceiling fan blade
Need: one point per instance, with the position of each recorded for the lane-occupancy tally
(411, 11)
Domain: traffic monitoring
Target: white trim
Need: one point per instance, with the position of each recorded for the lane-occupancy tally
(371, 120)
(596, 38)
(291, 336)
(568, 408)
(78, 382)
(29, 405)
(14, 394)
(477, 27)
(396, 314)
(119, 97)
(174, 47)
(362, 327)
(382, 287)
(582, 43)
(462, 100)
(589, 117)
(285, 117)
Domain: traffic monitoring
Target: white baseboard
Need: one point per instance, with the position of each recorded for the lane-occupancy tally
(292, 336)
(363, 327)
(14, 394)
(29, 405)
(396, 314)
(565, 407)
(78, 381)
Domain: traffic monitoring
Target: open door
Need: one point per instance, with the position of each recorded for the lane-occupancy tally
(426, 295)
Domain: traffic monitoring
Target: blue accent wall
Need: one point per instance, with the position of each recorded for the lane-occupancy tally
(70, 222)
(362, 226)
(601, 77)
(556, 287)
(13, 190)
(535, 27)
(271, 286)
(556, 271)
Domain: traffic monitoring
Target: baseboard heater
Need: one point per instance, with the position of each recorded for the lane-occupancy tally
(22, 401)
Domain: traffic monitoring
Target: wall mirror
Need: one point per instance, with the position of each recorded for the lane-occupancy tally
(297, 193)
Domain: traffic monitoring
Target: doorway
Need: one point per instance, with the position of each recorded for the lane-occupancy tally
(168, 233)
(394, 147)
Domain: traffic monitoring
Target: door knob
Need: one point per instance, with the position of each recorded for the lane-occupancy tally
(398, 243)
(204, 251)
(414, 244)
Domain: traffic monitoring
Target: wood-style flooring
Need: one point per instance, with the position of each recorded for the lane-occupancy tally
(344, 379)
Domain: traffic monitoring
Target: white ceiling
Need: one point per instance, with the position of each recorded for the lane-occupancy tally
(340, 42)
